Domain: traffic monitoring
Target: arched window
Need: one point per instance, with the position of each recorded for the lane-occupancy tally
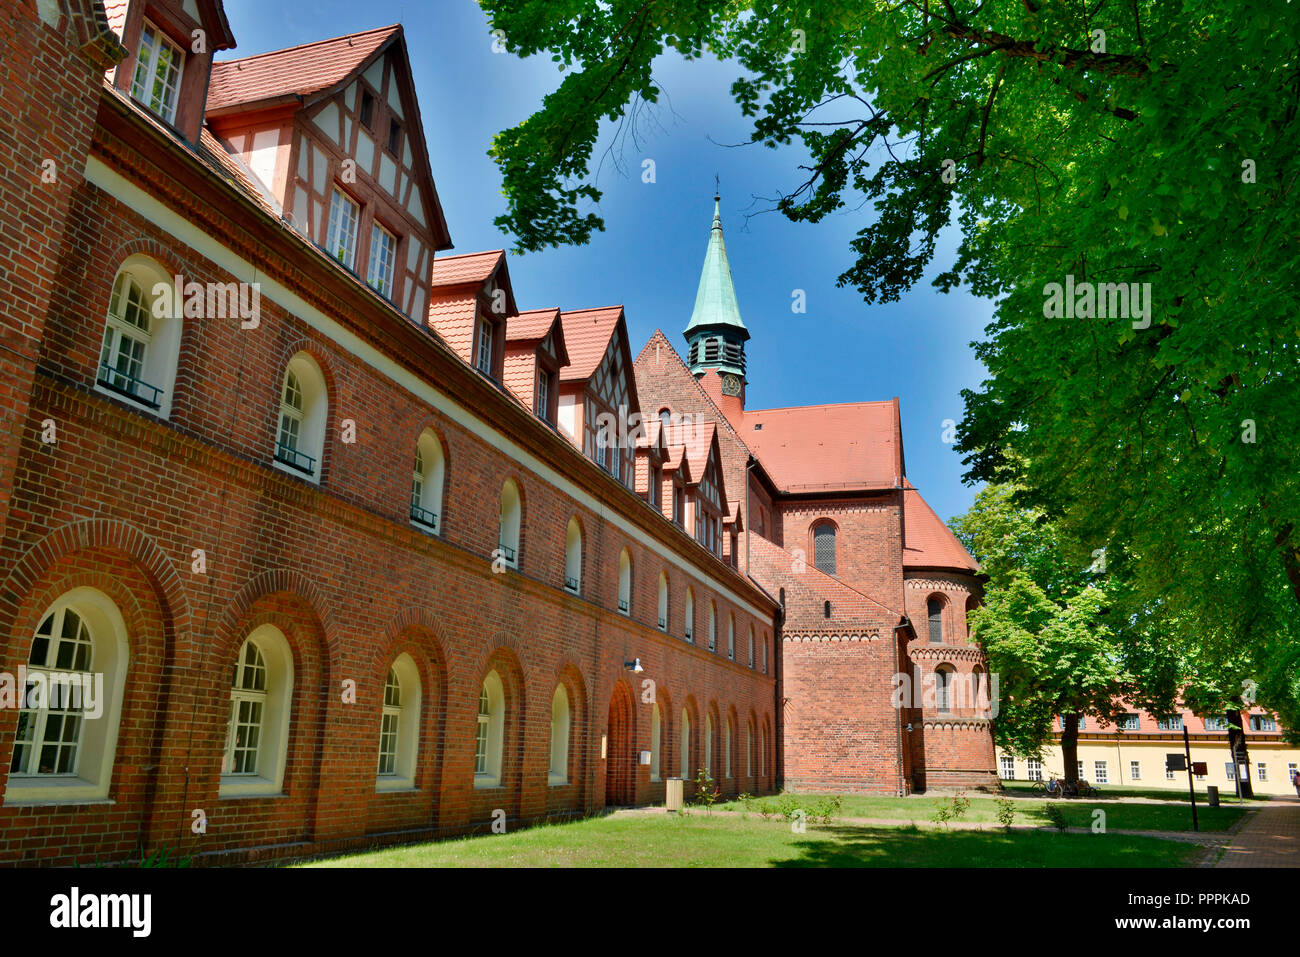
(399, 726)
(726, 751)
(934, 610)
(663, 601)
(764, 652)
(142, 337)
(749, 749)
(656, 732)
(560, 722)
(688, 621)
(762, 752)
(713, 626)
(731, 636)
(685, 760)
(300, 435)
(427, 480)
(751, 646)
(573, 557)
(257, 736)
(665, 422)
(824, 548)
(943, 688)
(625, 582)
(708, 745)
(979, 689)
(511, 516)
(71, 702)
(490, 732)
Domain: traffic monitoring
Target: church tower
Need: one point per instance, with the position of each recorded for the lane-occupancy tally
(716, 336)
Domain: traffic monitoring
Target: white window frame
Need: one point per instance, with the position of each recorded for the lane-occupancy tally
(1007, 765)
(561, 727)
(684, 737)
(511, 522)
(688, 616)
(96, 743)
(344, 223)
(490, 737)
(407, 714)
(1100, 772)
(428, 476)
(149, 58)
(380, 272)
(267, 778)
(309, 418)
(656, 742)
(573, 557)
(1033, 769)
(1261, 771)
(485, 336)
(1135, 770)
(158, 344)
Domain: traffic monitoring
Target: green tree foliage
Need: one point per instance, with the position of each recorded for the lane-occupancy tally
(1120, 142)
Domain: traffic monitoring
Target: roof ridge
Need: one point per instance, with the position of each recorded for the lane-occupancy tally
(306, 46)
(822, 405)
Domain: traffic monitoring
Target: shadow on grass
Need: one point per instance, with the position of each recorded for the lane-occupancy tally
(849, 846)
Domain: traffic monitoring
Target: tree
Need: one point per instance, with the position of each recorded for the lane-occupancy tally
(1123, 179)
(1049, 628)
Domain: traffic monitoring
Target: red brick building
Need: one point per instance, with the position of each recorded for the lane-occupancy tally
(346, 547)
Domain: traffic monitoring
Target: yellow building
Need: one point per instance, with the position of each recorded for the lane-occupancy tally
(1132, 754)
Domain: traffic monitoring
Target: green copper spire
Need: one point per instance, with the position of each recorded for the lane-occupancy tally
(716, 334)
(715, 301)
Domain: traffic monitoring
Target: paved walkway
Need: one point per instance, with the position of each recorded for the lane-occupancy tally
(1270, 838)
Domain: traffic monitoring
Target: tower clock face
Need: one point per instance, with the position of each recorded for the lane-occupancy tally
(731, 384)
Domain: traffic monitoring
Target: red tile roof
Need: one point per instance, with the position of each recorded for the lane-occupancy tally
(927, 541)
(531, 325)
(804, 449)
(452, 317)
(298, 71)
(586, 335)
(466, 268)
(115, 10)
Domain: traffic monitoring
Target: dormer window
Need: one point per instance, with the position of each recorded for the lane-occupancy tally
(485, 346)
(544, 394)
(157, 79)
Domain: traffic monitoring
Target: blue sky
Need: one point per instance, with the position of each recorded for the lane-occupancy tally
(649, 256)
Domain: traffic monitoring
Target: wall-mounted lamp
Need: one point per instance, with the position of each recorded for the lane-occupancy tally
(634, 666)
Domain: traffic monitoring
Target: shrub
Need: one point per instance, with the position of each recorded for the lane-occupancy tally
(952, 809)
(706, 792)
(1006, 812)
(1055, 816)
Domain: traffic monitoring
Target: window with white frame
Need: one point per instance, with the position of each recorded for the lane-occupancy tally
(662, 619)
(1008, 767)
(1034, 769)
(731, 636)
(341, 238)
(1216, 724)
(510, 523)
(764, 652)
(485, 336)
(71, 702)
(708, 745)
(142, 331)
(688, 615)
(383, 250)
(157, 79)
(560, 723)
(1230, 769)
(399, 726)
(300, 435)
(573, 557)
(490, 732)
(1128, 722)
(624, 582)
(751, 646)
(656, 734)
(1174, 723)
(1135, 770)
(543, 405)
(713, 627)
(726, 750)
(1080, 766)
(684, 746)
(762, 751)
(1291, 770)
(427, 479)
(1100, 772)
(1261, 771)
(1169, 774)
(1262, 722)
(257, 734)
(749, 750)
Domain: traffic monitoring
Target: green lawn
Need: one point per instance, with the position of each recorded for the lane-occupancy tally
(703, 840)
(1078, 812)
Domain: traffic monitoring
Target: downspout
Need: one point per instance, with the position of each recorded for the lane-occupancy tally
(900, 646)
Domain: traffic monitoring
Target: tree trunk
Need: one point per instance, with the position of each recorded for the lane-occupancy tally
(1070, 748)
(1237, 745)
